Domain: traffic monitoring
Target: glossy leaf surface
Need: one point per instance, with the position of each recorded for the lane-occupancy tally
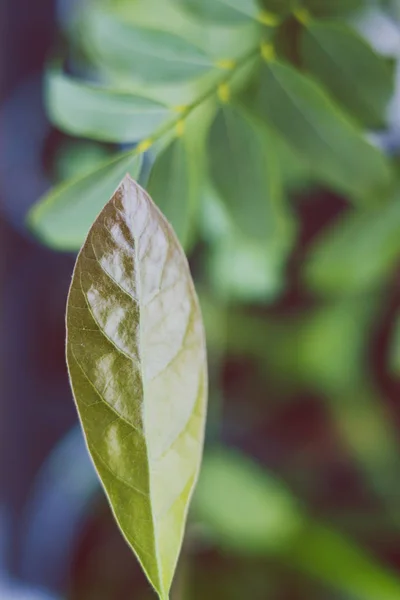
(137, 365)
(358, 78)
(151, 55)
(89, 111)
(172, 187)
(334, 148)
(63, 217)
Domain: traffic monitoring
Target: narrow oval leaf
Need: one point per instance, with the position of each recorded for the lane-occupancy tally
(137, 365)
(89, 111)
(245, 174)
(173, 188)
(357, 252)
(150, 55)
(357, 77)
(335, 149)
(63, 217)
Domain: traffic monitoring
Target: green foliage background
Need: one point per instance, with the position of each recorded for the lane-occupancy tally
(253, 126)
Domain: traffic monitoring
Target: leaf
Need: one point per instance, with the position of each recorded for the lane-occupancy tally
(151, 55)
(172, 187)
(335, 8)
(348, 67)
(258, 273)
(395, 348)
(247, 511)
(245, 174)
(224, 12)
(63, 217)
(89, 111)
(243, 507)
(357, 252)
(137, 365)
(296, 107)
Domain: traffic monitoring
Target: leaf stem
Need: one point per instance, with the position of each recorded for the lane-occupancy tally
(222, 82)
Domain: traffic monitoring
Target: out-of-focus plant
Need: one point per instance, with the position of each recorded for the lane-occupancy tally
(229, 113)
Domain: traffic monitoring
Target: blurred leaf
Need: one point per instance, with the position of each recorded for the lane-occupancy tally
(395, 349)
(173, 188)
(85, 110)
(278, 7)
(137, 365)
(78, 157)
(329, 556)
(366, 425)
(331, 344)
(151, 55)
(303, 114)
(225, 12)
(245, 270)
(357, 252)
(246, 177)
(248, 511)
(63, 217)
(335, 8)
(243, 507)
(348, 67)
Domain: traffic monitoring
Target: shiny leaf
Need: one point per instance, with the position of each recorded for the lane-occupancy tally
(348, 67)
(63, 217)
(357, 252)
(151, 55)
(137, 365)
(334, 148)
(172, 187)
(89, 111)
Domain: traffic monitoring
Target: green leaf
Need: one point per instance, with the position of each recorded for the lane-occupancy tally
(258, 273)
(335, 8)
(63, 217)
(395, 348)
(137, 365)
(247, 511)
(245, 174)
(224, 12)
(150, 55)
(89, 111)
(334, 148)
(172, 186)
(243, 507)
(348, 67)
(357, 252)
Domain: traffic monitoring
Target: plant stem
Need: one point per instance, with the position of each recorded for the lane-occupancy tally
(187, 110)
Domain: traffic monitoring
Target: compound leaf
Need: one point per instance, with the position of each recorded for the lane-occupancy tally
(137, 365)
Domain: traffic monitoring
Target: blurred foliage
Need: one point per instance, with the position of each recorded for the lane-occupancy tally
(257, 127)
